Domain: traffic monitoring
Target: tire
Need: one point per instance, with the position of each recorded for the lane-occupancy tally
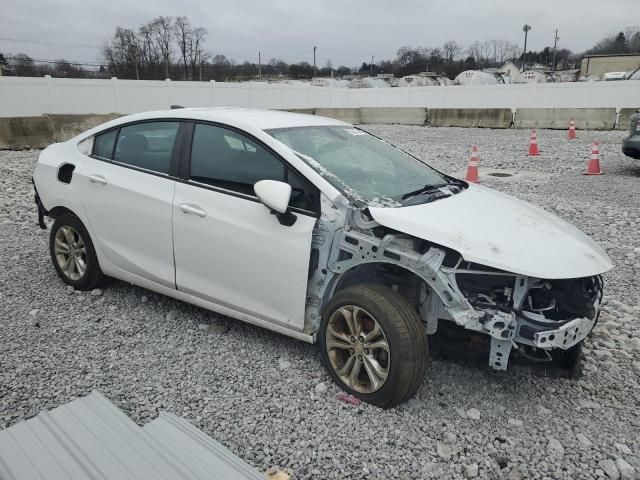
(67, 227)
(404, 365)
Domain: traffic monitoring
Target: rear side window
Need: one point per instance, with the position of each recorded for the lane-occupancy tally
(147, 145)
(103, 144)
(227, 159)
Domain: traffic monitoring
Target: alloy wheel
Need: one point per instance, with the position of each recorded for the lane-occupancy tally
(70, 252)
(358, 349)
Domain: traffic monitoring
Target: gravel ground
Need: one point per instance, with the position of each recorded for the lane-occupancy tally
(267, 398)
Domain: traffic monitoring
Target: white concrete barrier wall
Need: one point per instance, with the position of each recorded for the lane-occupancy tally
(24, 96)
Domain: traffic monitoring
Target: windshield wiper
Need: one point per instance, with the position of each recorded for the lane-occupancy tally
(425, 189)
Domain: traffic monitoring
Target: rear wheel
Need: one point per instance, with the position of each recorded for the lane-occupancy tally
(373, 344)
(73, 254)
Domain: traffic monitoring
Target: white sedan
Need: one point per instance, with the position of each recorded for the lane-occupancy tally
(318, 230)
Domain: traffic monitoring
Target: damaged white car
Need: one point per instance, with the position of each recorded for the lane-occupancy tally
(316, 229)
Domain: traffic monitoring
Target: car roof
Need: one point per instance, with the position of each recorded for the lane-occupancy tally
(253, 117)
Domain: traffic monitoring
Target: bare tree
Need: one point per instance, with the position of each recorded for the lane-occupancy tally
(23, 65)
(148, 52)
(63, 68)
(475, 51)
(197, 55)
(184, 37)
(162, 30)
(633, 39)
(121, 53)
(451, 50)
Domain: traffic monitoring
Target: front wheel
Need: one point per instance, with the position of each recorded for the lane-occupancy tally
(373, 344)
(73, 254)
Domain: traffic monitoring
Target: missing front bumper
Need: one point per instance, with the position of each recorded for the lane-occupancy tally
(566, 336)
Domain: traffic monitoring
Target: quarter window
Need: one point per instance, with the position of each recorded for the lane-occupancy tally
(147, 145)
(103, 144)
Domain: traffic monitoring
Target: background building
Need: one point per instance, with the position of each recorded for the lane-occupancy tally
(601, 64)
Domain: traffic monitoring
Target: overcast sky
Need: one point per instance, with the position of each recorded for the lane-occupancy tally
(347, 32)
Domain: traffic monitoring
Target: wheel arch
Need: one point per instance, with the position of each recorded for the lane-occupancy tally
(55, 212)
(397, 277)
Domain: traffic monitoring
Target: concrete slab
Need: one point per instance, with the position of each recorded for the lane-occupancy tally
(559, 118)
(624, 119)
(349, 115)
(389, 115)
(68, 126)
(19, 133)
(307, 111)
(470, 117)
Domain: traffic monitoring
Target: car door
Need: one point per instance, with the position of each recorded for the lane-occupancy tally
(128, 194)
(228, 248)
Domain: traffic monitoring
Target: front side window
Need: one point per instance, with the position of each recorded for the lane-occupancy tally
(147, 145)
(226, 159)
(363, 167)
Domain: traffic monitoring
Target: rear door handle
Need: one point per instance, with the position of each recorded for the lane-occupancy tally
(190, 209)
(98, 179)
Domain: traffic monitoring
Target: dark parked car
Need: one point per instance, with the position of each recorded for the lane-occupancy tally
(631, 144)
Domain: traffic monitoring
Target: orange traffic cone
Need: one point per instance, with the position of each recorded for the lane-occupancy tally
(593, 167)
(533, 144)
(472, 171)
(572, 130)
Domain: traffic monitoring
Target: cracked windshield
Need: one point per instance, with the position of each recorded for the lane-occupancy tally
(360, 165)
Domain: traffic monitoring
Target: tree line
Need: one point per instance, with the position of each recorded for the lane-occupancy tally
(173, 47)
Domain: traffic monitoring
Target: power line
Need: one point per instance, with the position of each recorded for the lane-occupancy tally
(40, 42)
(296, 57)
(55, 62)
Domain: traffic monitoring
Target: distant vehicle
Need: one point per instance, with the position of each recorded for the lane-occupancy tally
(297, 83)
(476, 77)
(316, 229)
(534, 76)
(590, 78)
(415, 81)
(427, 79)
(613, 76)
(329, 82)
(631, 144)
(368, 82)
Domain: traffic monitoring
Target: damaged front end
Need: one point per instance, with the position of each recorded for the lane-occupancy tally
(534, 316)
(517, 312)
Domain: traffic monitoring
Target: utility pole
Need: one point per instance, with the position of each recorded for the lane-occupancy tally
(555, 45)
(314, 61)
(260, 65)
(525, 29)
(371, 67)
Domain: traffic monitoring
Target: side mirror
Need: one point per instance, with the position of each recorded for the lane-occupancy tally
(275, 196)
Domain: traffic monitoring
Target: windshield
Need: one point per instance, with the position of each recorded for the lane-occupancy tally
(361, 166)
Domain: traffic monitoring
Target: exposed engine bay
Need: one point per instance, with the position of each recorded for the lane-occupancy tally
(548, 314)
(531, 315)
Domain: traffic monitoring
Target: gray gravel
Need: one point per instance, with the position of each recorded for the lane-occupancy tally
(267, 398)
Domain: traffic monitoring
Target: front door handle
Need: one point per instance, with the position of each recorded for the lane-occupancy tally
(98, 179)
(190, 209)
